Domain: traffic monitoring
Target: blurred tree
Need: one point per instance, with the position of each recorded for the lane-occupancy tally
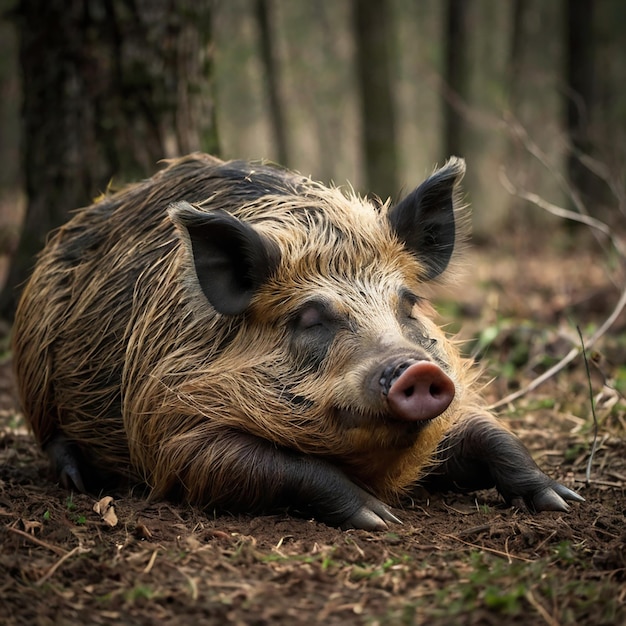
(609, 121)
(579, 74)
(9, 101)
(10, 183)
(456, 74)
(374, 55)
(109, 88)
(268, 56)
(519, 16)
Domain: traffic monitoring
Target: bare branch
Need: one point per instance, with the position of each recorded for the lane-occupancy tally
(582, 218)
(552, 208)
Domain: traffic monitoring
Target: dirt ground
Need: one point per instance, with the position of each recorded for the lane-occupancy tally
(455, 560)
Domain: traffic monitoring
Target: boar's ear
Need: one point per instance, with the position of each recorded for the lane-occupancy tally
(231, 259)
(424, 220)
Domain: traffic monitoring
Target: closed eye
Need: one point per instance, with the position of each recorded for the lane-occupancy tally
(313, 329)
(408, 300)
(309, 317)
(316, 313)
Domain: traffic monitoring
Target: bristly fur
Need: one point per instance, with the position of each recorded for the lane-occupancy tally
(116, 346)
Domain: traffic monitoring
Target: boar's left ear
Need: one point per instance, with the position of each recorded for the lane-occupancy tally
(424, 220)
(231, 259)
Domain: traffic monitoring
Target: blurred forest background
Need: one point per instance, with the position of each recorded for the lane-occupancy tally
(94, 93)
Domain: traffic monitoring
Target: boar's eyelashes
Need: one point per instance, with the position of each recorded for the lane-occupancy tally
(231, 259)
(424, 220)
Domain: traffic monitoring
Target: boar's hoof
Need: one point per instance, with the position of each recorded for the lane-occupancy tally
(64, 463)
(552, 498)
(417, 391)
(371, 515)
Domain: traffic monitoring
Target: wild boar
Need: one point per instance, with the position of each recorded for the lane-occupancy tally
(241, 337)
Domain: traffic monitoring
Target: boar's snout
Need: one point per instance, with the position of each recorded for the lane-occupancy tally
(416, 390)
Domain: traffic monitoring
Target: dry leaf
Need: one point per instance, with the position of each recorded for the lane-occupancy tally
(31, 526)
(105, 509)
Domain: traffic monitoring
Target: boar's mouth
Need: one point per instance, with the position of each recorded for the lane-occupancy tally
(380, 430)
(351, 418)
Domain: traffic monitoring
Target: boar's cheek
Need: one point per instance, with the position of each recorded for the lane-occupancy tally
(232, 260)
(424, 220)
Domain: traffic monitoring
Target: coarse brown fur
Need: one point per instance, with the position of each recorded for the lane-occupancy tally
(116, 346)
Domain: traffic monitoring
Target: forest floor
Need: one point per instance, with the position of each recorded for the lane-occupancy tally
(455, 560)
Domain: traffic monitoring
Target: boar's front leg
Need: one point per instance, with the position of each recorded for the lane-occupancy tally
(315, 486)
(479, 453)
(241, 472)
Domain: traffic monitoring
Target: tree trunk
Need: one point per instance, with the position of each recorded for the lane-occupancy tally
(109, 88)
(518, 19)
(268, 56)
(455, 75)
(580, 87)
(10, 174)
(373, 35)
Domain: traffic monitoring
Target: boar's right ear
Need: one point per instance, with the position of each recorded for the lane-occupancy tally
(231, 259)
(424, 220)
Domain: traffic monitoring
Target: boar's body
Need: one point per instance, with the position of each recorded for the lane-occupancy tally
(242, 337)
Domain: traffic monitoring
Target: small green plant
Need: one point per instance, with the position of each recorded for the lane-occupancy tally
(565, 552)
(16, 421)
(138, 593)
(493, 583)
(366, 571)
(620, 379)
(325, 559)
(485, 339)
(505, 600)
(392, 562)
(327, 562)
(574, 451)
(70, 505)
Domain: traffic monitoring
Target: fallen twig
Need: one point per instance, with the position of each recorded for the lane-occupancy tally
(39, 542)
(540, 609)
(506, 555)
(58, 564)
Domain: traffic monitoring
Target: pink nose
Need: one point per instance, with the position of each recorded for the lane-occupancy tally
(423, 391)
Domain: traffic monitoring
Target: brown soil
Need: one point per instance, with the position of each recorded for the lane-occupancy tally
(455, 560)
